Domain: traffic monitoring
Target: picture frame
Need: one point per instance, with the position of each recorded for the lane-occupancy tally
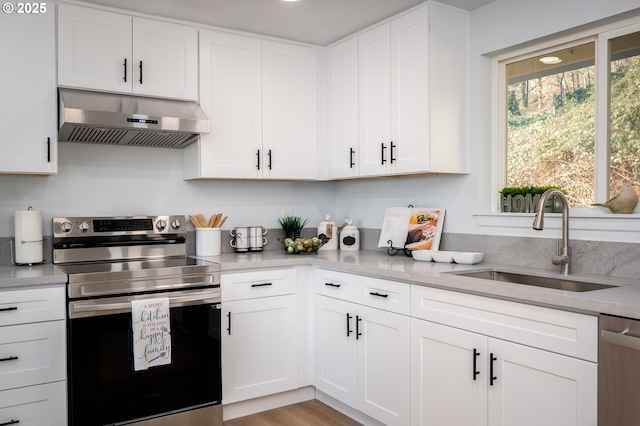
(412, 228)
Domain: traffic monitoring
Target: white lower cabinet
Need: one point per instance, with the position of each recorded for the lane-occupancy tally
(362, 353)
(33, 357)
(41, 405)
(444, 388)
(462, 377)
(259, 335)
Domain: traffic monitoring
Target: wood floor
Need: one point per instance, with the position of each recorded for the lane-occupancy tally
(308, 413)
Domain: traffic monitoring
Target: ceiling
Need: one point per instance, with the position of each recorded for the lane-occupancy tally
(319, 22)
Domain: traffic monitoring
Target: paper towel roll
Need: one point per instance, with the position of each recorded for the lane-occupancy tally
(28, 243)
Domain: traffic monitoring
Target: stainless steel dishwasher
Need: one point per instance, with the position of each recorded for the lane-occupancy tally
(619, 371)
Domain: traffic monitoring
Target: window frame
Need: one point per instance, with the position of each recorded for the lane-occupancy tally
(587, 223)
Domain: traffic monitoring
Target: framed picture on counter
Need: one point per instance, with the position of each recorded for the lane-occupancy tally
(412, 228)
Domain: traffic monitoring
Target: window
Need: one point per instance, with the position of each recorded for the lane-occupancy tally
(572, 117)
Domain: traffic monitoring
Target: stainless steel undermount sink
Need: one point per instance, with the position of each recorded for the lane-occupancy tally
(564, 283)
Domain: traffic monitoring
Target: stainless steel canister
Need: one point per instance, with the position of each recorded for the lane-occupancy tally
(240, 238)
(257, 238)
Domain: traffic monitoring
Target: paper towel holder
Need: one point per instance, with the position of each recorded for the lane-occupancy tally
(12, 250)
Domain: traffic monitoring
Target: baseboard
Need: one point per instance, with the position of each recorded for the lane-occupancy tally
(347, 410)
(257, 405)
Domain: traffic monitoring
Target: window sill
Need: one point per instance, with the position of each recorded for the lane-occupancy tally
(584, 224)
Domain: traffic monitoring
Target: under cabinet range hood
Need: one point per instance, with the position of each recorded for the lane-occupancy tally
(107, 118)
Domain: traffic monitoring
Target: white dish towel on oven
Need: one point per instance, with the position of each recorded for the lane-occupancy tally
(151, 332)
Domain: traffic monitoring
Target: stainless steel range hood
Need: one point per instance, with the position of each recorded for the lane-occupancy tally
(106, 118)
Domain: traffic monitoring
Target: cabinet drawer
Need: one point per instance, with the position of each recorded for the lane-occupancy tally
(265, 283)
(32, 305)
(390, 296)
(31, 354)
(554, 330)
(43, 405)
(337, 284)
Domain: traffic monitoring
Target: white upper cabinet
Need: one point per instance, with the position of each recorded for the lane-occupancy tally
(289, 115)
(261, 99)
(410, 99)
(375, 153)
(114, 52)
(29, 141)
(231, 96)
(342, 140)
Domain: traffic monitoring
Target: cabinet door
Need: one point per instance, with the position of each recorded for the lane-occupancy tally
(533, 387)
(342, 139)
(42, 405)
(28, 121)
(335, 349)
(449, 376)
(94, 49)
(165, 59)
(259, 347)
(409, 92)
(231, 96)
(375, 101)
(32, 354)
(383, 365)
(289, 96)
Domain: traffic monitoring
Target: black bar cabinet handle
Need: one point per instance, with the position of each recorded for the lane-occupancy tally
(358, 334)
(258, 163)
(125, 70)
(10, 422)
(229, 327)
(475, 363)
(10, 358)
(351, 163)
(269, 154)
(140, 66)
(378, 294)
(393, 146)
(349, 331)
(492, 378)
(10, 308)
(332, 285)
(382, 153)
(261, 285)
(48, 149)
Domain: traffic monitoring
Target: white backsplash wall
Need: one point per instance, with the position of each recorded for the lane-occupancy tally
(97, 180)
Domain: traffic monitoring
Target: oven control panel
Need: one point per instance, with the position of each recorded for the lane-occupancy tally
(65, 227)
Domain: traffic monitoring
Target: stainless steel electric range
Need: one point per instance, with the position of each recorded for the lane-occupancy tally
(111, 262)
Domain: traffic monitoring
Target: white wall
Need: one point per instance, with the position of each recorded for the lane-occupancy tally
(121, 180)
(495, 27)
(112, 180)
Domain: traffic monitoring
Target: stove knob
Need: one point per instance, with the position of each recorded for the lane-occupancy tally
(161, 224)
(66, 227)
(175, 223)
(83, 227)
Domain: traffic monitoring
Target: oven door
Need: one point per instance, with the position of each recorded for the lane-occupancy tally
(104, 388)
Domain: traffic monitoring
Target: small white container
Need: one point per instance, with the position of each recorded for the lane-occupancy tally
(208, 241)
(422, 255)
(350, 238)
(468, 258)
(442, 256)
(329, 230)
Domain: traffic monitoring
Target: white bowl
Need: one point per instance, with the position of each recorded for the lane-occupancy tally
(468, 258)
(423, 255)
(442, 256)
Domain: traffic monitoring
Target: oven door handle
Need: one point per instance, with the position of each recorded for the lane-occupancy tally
(77, 309)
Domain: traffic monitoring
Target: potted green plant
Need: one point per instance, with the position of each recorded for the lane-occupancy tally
(293, 242)
(524, 199)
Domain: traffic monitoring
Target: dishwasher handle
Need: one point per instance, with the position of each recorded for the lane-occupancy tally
(621, 338)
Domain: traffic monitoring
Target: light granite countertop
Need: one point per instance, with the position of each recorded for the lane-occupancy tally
(622, 300)
(28, 276)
